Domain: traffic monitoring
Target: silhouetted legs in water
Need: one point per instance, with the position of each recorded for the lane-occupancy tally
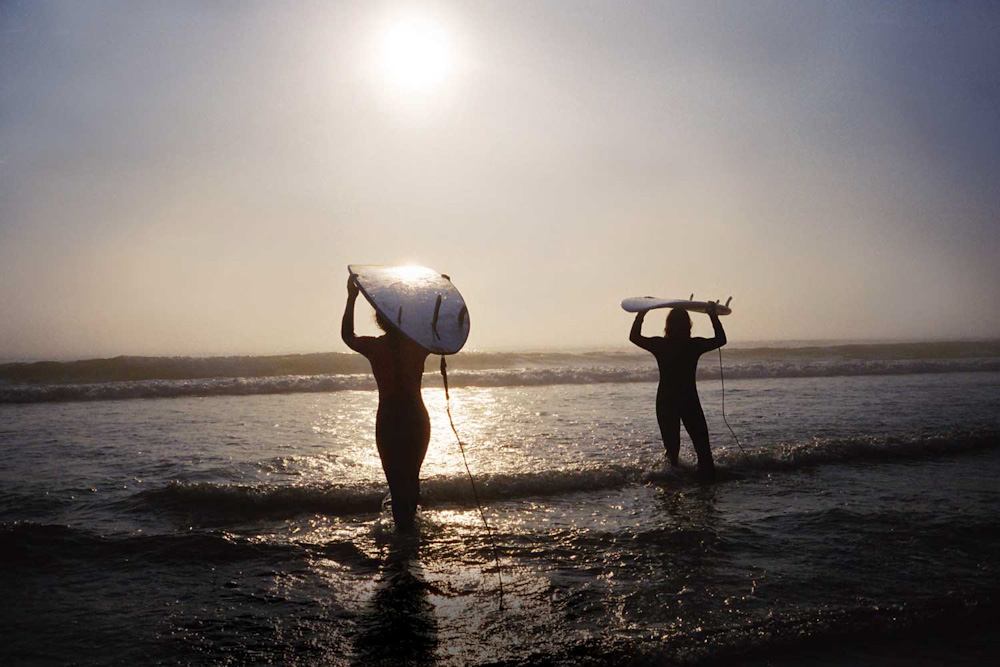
(402, 431)
(670, 414)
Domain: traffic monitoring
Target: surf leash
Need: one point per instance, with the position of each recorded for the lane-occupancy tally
(722, 377)
(472, 481)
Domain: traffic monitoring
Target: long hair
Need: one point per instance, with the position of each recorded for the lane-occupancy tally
(384, 324)
(678, 324)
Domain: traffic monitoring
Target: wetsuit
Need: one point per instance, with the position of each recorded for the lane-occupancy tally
(402, 427)
(677, 395)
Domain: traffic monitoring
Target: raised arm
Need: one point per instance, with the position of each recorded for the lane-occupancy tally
(720, 334)
(635, 336)
(356, 343)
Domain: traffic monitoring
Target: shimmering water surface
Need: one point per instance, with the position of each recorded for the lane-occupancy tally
(231, 529)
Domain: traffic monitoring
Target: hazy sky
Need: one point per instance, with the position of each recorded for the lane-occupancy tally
(194, 177)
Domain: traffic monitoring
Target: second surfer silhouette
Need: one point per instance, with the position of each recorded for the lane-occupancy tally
(677, 400)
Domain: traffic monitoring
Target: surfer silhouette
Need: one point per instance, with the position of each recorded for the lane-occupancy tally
(402, 427)
(677, 400)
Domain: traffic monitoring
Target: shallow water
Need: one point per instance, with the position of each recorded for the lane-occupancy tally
(250, 529)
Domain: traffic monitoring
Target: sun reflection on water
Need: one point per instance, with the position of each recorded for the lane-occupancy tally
(472, 412)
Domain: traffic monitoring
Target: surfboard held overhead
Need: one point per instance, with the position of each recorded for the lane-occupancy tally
(638, 304)
(423, 304)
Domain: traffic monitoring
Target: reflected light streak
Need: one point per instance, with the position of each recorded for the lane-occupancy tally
(472, 412)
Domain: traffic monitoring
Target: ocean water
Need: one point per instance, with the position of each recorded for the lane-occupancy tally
(228, 512)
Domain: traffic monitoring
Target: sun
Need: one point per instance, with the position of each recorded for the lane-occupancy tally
(416, 53)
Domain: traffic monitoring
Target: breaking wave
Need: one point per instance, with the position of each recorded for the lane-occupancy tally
(213, 500)
(638, 369)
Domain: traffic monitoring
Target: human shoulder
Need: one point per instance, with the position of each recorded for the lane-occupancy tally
(368, 345)
(658, 342)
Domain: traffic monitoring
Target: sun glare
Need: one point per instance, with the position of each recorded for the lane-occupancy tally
(415, 53)
(413, 274)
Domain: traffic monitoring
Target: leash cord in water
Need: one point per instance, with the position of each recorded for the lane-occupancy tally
(472, 481)
(722, 377)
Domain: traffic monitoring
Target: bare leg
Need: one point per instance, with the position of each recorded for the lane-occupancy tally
(405, 490)
(402, 433)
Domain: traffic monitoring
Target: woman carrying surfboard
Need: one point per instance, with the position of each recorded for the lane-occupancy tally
(402, 427)
(677, 400)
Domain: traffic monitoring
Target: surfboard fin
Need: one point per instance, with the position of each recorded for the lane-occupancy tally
(727, 301)
(434, 320)
(691, 298)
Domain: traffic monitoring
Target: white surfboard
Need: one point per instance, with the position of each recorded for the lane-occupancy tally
(640, 303)
(422, 303)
